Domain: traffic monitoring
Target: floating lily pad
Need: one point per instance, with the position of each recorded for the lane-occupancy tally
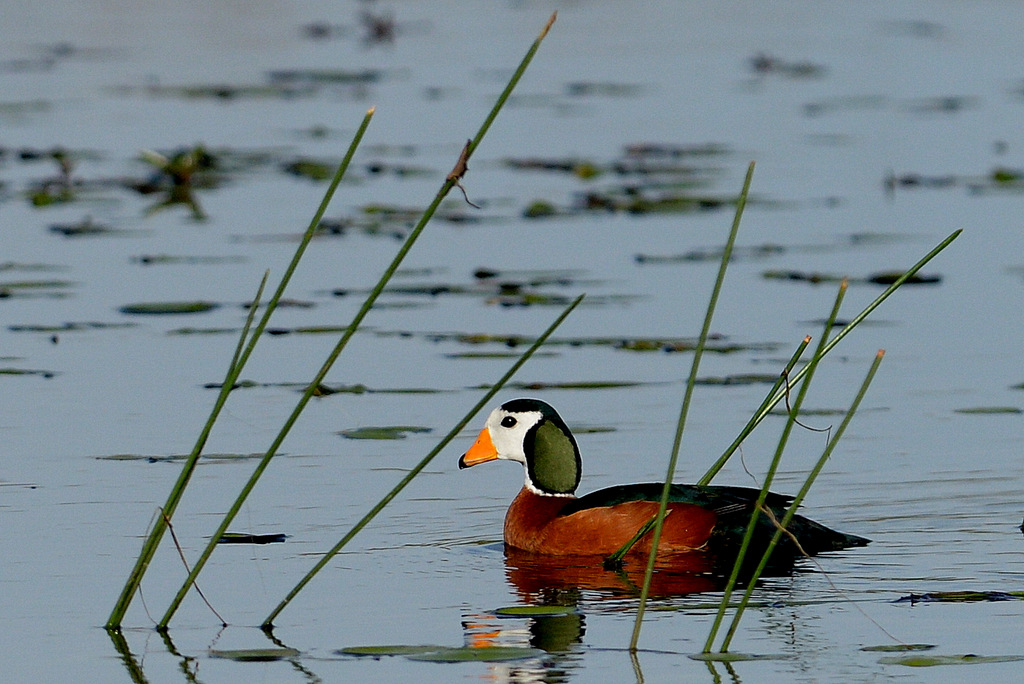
(168, 308)
(323, 390)
(605, 89)
(18, 266)
(733, 657)
(540, 209)
(386, 432)
(591, 429)
(986, 410)
(203, 331)
(932, 661)
(898, 648)
(891, 277)
(493, 355)
(242, 538)
(534, 611)
(701, 255)
(326, 390)
(312, 169)
(150, 458)
(961, 597)
(255, 654)
(84, 228)
(488, 654)
(740, 379)
(28, 371)
(36, 285)
(156, 259)
(884, 278)
(284, 303)
(641, 344)
(582, 384)
(68, 327)
(389, 650)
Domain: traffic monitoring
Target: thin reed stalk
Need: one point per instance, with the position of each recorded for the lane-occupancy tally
(451, 181)
(238, 362)
(791, 422)
(797, 500)
(768, 405)
(268, 624)
(684, 410)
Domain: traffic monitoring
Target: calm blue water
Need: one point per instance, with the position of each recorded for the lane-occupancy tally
(853, 93)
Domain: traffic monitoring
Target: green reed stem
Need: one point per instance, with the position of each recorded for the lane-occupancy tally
(756, 514)
(268, 624)
(238, 362)
(797, 500)
(451, 181)
(684, 410)
(767, 406)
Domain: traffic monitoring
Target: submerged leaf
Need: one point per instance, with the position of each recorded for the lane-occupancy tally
(893, 648)
(985, 410)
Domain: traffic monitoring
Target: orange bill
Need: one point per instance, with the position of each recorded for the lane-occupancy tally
(482, 451)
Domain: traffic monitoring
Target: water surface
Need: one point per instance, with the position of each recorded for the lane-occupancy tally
(877, 131)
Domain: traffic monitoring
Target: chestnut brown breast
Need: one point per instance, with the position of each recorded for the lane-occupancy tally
(533, 523)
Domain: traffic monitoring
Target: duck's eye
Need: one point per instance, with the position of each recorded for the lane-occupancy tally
(508, 421)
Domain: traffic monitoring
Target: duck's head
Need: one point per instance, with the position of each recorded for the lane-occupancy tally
(531, 432)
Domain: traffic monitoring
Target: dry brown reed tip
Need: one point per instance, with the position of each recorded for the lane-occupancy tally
(547, 26)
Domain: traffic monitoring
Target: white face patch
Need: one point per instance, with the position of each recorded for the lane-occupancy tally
(508, 432)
